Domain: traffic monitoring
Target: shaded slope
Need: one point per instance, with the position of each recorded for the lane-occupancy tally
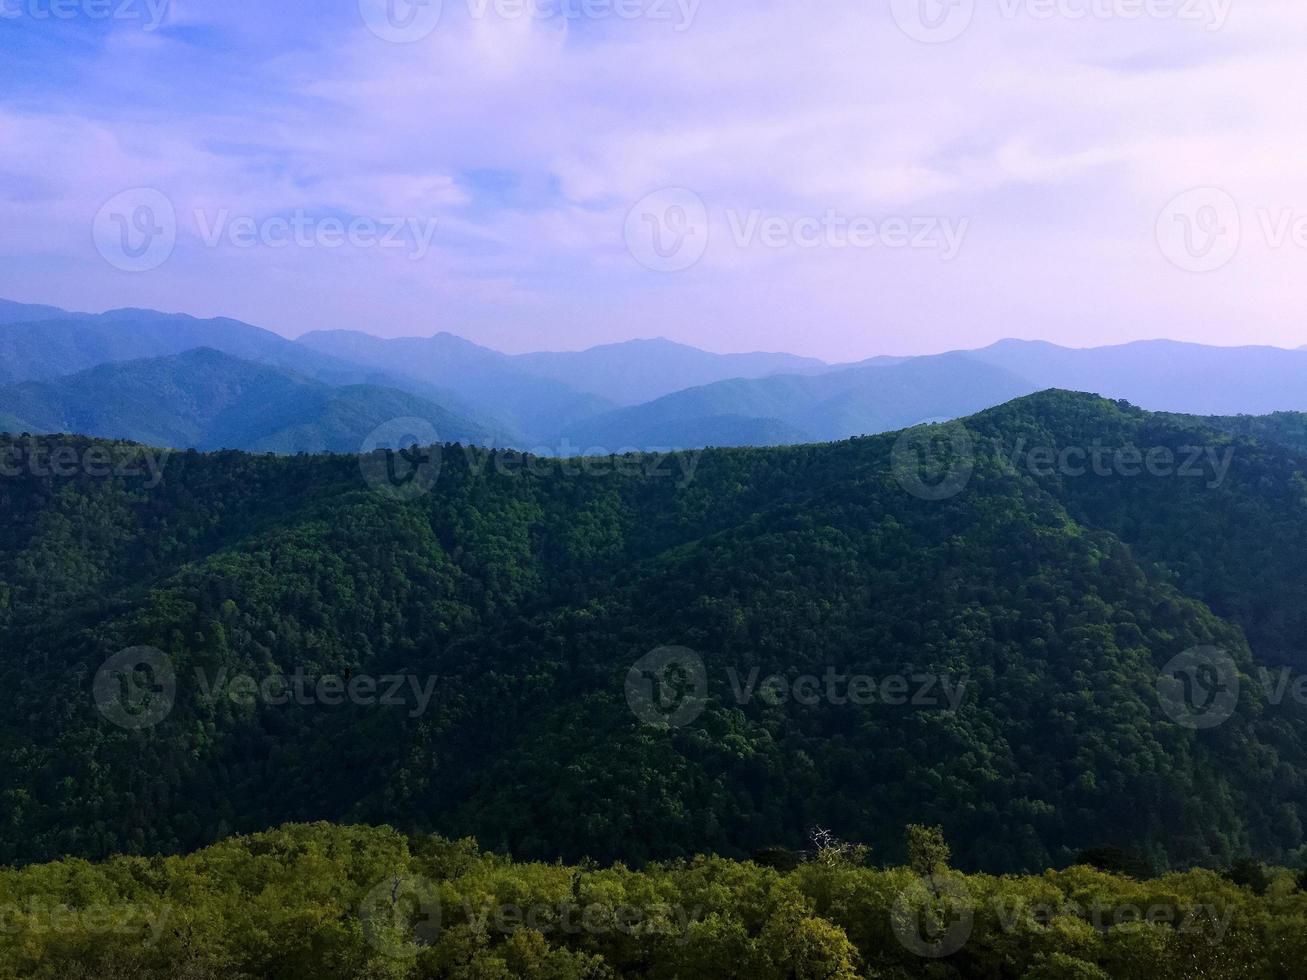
(524, 600)
(532, 407)
(204, 399)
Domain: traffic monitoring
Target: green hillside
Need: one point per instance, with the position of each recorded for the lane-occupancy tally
(1007, 640)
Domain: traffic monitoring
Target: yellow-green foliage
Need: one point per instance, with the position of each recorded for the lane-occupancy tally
(321, 902)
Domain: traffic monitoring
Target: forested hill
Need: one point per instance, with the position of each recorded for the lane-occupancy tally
(985, 638)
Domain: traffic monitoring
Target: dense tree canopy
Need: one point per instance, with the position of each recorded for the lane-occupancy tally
(514, 599)
(323, 902)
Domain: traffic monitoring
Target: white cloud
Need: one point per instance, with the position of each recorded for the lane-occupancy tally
(1059, 140)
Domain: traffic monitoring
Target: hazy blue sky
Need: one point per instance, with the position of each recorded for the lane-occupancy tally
(846, 178)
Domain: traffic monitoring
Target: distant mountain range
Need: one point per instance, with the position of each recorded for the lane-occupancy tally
(1165, 375)
(205, 399)
(811, 408)
(528, 406)
(140, 374)
(622, 374)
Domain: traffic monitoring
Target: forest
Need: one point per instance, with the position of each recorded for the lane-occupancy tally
(465, 653)
(324, 902)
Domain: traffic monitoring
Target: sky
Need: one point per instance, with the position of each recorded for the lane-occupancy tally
(836, 179)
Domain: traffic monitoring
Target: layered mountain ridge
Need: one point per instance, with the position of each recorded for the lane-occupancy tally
(641, 394)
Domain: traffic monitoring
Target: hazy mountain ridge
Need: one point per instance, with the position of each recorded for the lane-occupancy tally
(597, 399)
(64, 343)
(1165, 375)
(11, 312)
(636, 371)
(530, 407)
(205, 399)
(823, 407)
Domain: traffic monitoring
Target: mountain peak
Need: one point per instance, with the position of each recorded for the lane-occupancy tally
(14, 312)
(138, 313)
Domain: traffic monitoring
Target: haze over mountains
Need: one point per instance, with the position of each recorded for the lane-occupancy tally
(819, 408)
(206, 400)
(623, 374)
(329, 389)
